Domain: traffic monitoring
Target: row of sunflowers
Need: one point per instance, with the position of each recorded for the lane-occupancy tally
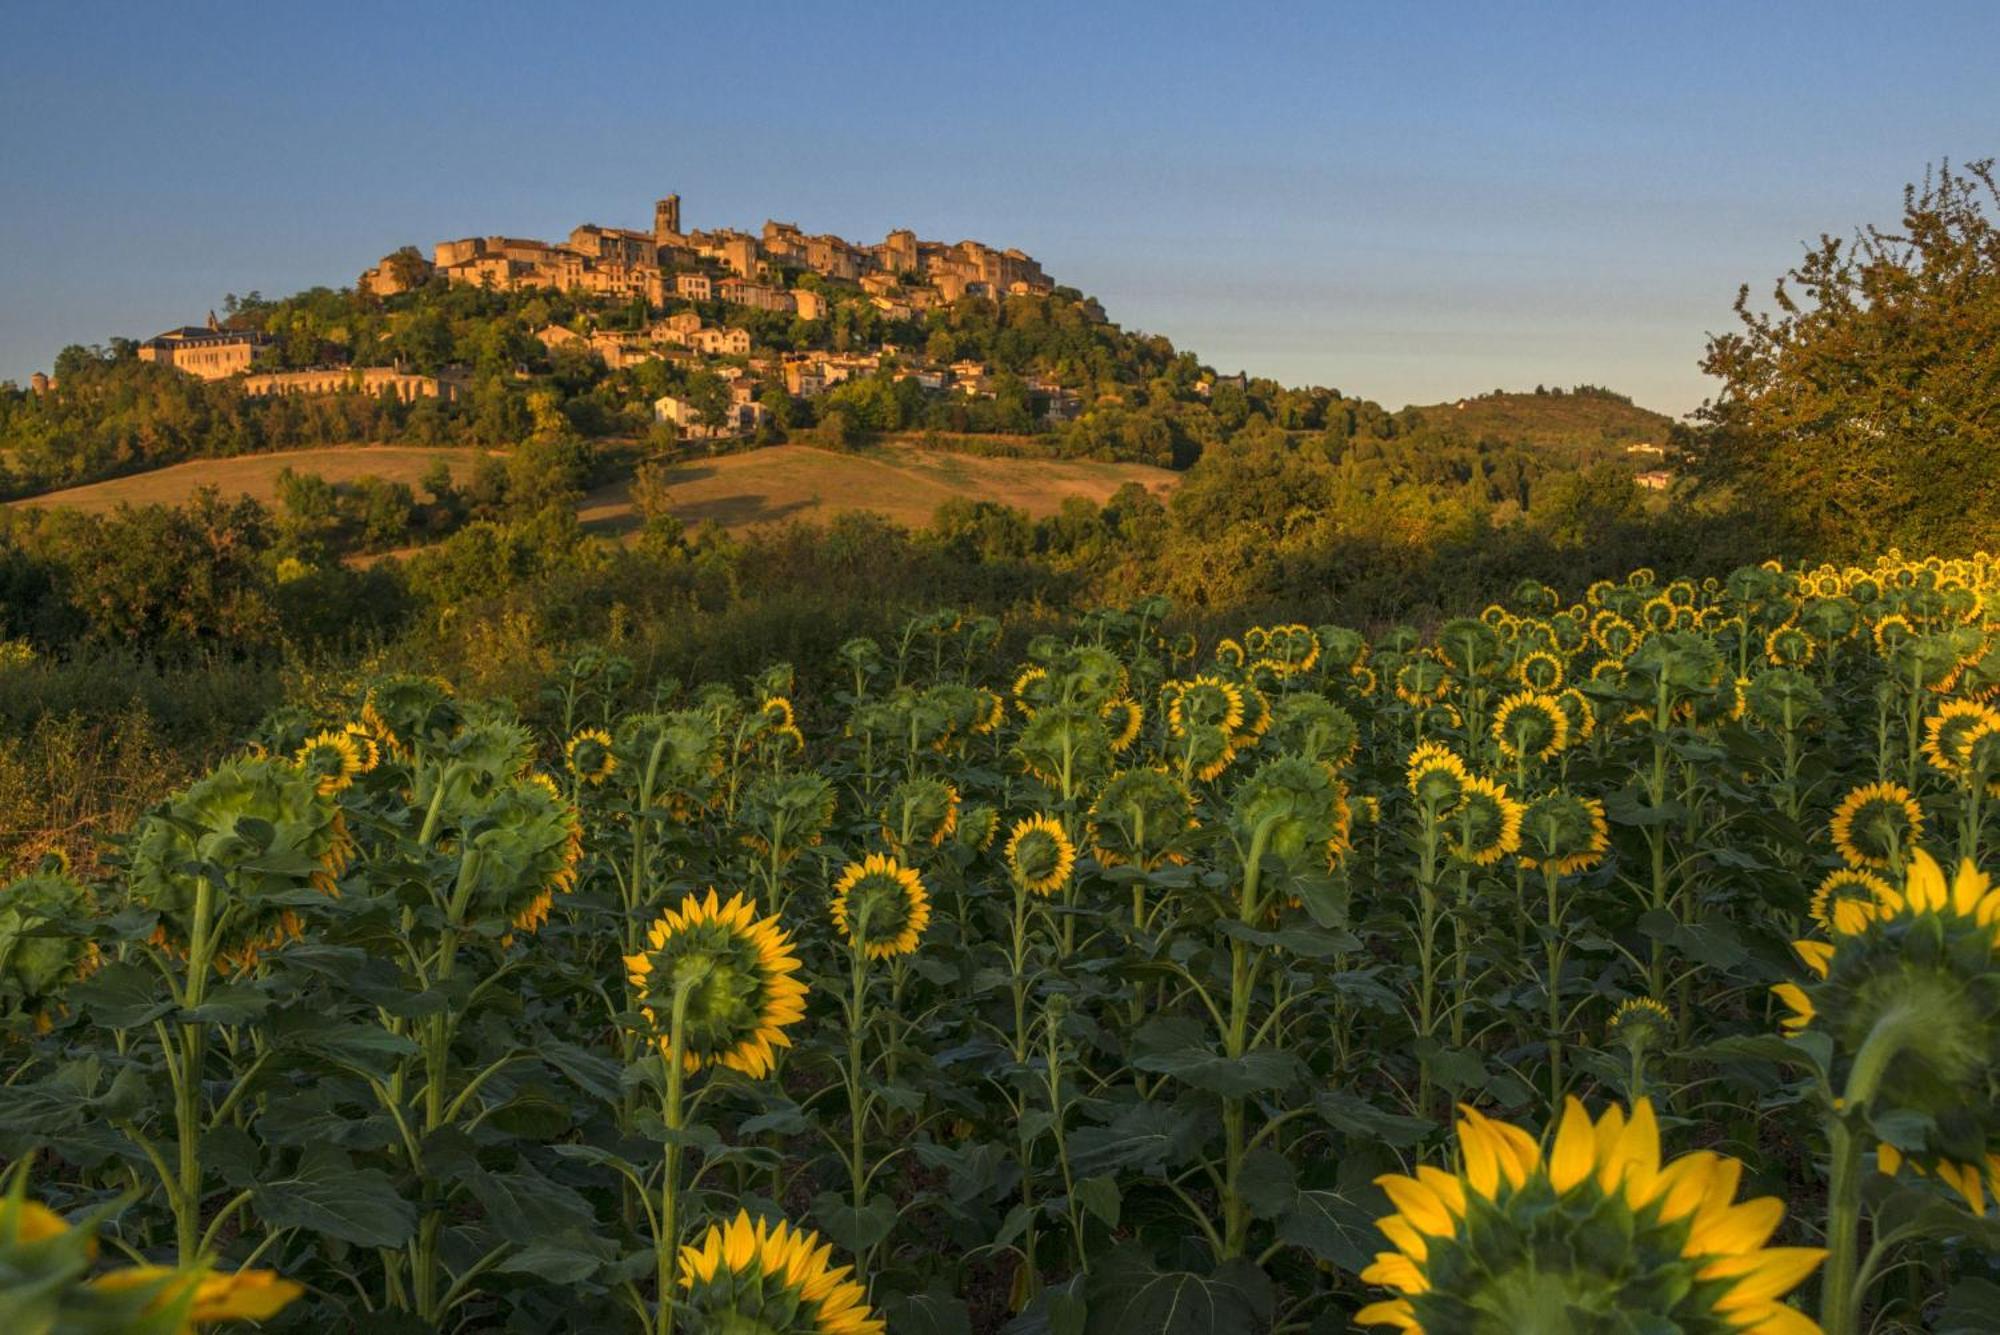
(1109, 982)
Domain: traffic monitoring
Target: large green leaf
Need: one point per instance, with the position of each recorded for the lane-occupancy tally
(328, 1194)
(1129, 1295)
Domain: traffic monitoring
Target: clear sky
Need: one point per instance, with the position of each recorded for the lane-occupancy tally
(1407, 201)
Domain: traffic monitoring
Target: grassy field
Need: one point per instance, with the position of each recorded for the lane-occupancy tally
(256, 475)
(906, 483)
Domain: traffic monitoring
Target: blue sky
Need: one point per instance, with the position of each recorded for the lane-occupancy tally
(1407, 201)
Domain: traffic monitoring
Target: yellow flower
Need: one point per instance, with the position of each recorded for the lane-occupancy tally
(1437, 775)
(247, 1295)
(1122, 720)
(1593, 1222)
(1040, 855)
(1485, 826)
(739, 973)
(1846, 898)
(1948, 733)
(752, 1276)
(881, 904)
(1531, 725)
(333, 759)
(588, 756)
(1875, 823)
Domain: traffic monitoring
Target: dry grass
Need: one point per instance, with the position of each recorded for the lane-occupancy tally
(904, 482)
(256, 475)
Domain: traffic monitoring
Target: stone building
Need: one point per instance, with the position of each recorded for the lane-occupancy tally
(209, 352)
(757, 296)
(694, 287)
(375, 380)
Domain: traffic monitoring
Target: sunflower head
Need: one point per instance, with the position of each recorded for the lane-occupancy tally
(198, 1297)
(1540, 671)
(1437, 776)
(880, 907)
(782, 814)
(589, 757)
(1485, 825)
(920, 812)
(1039, 854)
(1308, 724)
(45, 943)
(334, 759)
(523, 844)
(1420, 681)
(1876, 825)
(1205, 702)
(1123, 718)
(1562, 833)
(1295, 803)
(1639, 1023)
(978, 826)
(1948, 733)
(1530, 726)
(1914, 971)
(1139, 818)
(735, 977)
(404, 710)
(1591, 1233)
(750, 1277)
(262, 827)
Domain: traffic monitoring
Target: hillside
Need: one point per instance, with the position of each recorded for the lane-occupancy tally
(904, 482)
(1580, 418)
(256, 475)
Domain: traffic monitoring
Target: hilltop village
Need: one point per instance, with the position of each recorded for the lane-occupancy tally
(703, 296)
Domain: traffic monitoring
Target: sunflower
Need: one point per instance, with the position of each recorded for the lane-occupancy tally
(1540, 671)
(738, 974)
(1579, 712)
(1844, 898)
(1122, 720)
(1437, 776)
(1040, 855)
(881, 906)
(992, 712)
(1420, 682)
(1592, 1232)
(1891, 631)
(1925, 951)
(1563, 833)
(1616, 636)
(1031, 690)
(1138, 818)
(1230, 654)
(1639, 1021)
(1948, 733)
(752, 1276)
(204, 1297)
(588, 756)
(333, 759)
(261, 824)
(1485, 826)
(1875, 823)
(44, 943)
(1206, 701)
(1529, 725)
(920, 811)
(1789, 646)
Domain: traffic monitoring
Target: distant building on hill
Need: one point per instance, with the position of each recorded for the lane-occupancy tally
(209, 352)
(372, 380)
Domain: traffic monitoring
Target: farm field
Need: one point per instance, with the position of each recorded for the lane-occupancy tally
(905, 482)
(1617, 950)
(256, 475)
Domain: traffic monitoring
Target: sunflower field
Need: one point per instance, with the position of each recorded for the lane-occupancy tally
(1618, 965)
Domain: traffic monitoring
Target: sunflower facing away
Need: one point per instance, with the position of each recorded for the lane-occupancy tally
(1437, 776)
(740, 974)
(1531, 725)
(1932, 949)
(757, 1278)
(1040, 855)
(1564, 833)
(589, 756)
(1485, 826)
(1592, 1234)
(1875, 824)
(881, 906)
(333, 759)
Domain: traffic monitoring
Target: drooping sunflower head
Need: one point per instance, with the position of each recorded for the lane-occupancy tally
(44, 942)
(735, 975)
(1915, 968)
(880, 906)
(1064, 738)
(1531, 726)
(978, 826)
(1437, 776)
(1485, 826)
(404, 711)
(1789, 647)
(921, 811)
(1230, 654)
(1123, 717)
(264, 828)
(1563, 833)
(1039, 854)
(1948, 733)
(750, 1277)
(589, 756)
(1591, 1233)
(333, 759)
(1876, 825)
(524, 846)
(783, 814)
(1308, 724)
(1420, 681)
(1139, 818)
(1615, 636)
(1031, 690)
(1294, 803)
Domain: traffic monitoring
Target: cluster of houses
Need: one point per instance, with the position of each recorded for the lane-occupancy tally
(681, 273)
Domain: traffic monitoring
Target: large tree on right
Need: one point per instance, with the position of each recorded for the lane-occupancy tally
(1863, 410)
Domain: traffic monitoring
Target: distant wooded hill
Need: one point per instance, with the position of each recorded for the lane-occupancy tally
(1584, 416)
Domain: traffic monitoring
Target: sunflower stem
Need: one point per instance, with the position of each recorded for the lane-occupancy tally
(1840, 1300)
